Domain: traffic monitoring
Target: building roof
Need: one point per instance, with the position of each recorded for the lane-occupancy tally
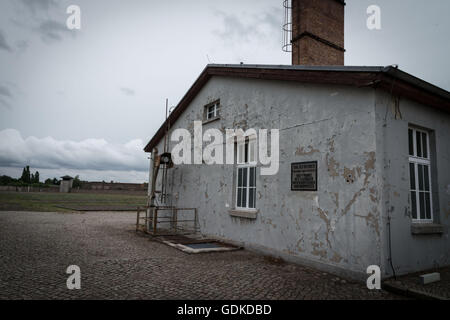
(67, 178)
(389, 78)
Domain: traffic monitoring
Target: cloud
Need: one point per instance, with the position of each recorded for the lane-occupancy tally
(22, 45)
(5, 96)
(39, 5)
(3, 43)
(52, 30)
(4, 91)
(90, 154)
(127, 91)
(45, 18)
(260, 27)
(5, 103)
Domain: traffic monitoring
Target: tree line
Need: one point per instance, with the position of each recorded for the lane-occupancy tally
(33, 179)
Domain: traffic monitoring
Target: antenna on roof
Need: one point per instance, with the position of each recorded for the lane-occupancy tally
(166, 147)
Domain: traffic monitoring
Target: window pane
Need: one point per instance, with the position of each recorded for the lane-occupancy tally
(424, 145)
(428, 206)
(243, 182)
(252, 195)
(419, 144)
(412, 176)
(426, 178)
(420, 177)
(217, 110)
(422, 205)
(413, 205)
(239, 197)
(252, 147)
(244, 190)
(411, 142)
(240, 153)
(252, 177)
(244, 177)
(246, 152)
(240, 183)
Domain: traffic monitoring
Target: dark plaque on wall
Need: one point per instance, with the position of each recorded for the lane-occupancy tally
(304, 176)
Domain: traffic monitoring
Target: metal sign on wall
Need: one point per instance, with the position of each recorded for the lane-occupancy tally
(304, 176)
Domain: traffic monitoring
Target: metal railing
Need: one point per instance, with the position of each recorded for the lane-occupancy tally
(167, 220)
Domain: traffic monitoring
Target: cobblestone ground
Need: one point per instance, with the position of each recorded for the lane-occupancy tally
(439, 289)
(116, 263)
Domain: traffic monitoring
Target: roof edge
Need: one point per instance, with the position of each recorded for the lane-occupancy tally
(389, 78)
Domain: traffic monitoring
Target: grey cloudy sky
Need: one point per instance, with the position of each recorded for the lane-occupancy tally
(86, 101)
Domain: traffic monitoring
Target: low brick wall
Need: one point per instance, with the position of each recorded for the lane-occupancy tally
(55, 189)
(140, 187)
(100, 191)
(51, 189)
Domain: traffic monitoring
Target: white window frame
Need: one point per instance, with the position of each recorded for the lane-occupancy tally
(246, 146)
(215, 113)
(416, 161)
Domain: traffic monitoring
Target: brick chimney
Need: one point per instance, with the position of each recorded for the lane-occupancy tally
(318, 32)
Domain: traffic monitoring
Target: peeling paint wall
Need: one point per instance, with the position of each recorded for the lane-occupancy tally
(339, 226)
(410, 252)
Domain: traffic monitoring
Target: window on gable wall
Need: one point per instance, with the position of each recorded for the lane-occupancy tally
(420, 175)
(212, 110)
(246, 174)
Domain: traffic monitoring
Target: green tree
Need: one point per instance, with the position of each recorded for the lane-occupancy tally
(48, 181)
(77, 182)
(6, 180)
(26, 176)
(36, 177)
(23, 178)
(23, 175)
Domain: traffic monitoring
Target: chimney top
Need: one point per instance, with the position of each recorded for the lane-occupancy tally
(318, 32)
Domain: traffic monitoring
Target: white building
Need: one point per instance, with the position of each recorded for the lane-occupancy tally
(364, 165)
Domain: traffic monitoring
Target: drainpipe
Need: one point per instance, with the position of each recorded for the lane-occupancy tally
(155, 170)
(390, 245)
(151, 184)
(147, 212)
(388, 209)
(149, 178)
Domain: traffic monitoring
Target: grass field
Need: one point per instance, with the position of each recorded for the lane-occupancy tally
(66, 202)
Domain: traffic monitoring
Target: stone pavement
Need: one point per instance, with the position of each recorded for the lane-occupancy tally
(411, 285)
(117, 263)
